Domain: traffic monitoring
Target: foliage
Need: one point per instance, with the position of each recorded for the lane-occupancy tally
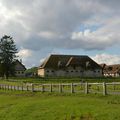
(31, 71)
(8, 52)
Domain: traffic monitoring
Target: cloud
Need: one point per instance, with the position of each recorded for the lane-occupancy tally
(46, 20)
(107, 59)
(42, 60)
(102, 38)
(47, 34)
(41, 26)
(24, 53)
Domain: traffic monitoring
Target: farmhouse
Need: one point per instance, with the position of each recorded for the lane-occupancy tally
(69, 66)
(111, 70)
(19, 69)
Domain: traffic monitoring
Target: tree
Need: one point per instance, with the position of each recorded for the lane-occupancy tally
(8, 52)
(32, 72)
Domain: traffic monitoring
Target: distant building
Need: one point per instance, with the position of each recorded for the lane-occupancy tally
(19, 69)
(69, 66)
(111, 70)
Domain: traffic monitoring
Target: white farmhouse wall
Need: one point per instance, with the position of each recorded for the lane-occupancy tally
(20, 74)
(112, 75)
(95, 73)
(69, 73)
(41, 72)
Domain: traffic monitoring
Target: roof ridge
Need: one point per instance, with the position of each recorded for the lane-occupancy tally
(45, 62)
(67, 55)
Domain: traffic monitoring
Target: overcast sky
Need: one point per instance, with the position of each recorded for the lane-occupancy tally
(82, 27)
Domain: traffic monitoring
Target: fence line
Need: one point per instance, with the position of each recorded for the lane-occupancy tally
(104, 88)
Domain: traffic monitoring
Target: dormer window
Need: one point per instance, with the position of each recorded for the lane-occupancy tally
(87, 64)
(60, 64)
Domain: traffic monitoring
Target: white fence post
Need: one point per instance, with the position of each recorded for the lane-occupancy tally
(18, 87)
(50, 87)
(27, 87)
(8, 87)
(113, 86)
(72, 88)
(32, 89)
(104, 88)
(11, 87)
(14, 87)
(43, 89)
(22, 87)
(60, 87)
(86, 88)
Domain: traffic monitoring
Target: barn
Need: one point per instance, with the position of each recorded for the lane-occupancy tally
(69, 66)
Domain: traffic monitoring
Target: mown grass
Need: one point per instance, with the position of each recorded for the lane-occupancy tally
(58, 80)
(54, 106)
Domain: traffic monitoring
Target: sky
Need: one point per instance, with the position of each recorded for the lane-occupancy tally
(80, 27)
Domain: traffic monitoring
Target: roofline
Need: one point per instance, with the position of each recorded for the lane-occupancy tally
(96, 62)
(21, 64)
(68, 55)
(59, 55)
(46, 60)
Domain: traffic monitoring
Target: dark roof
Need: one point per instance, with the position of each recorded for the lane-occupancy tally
(63, 61)
(19, 66)
(112, 69)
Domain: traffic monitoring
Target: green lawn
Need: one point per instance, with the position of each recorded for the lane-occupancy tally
(55, 106)
(57, 80)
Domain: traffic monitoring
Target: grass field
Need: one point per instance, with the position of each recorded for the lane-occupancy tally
(57, 80)
(21, 105)
(48, 106)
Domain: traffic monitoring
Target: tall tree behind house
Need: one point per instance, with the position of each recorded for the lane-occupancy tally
(8, 52)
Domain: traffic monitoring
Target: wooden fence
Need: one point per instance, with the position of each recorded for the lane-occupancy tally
(104, 88)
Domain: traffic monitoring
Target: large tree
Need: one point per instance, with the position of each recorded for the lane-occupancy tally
(8, 52)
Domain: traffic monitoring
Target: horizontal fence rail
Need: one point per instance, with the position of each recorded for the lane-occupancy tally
(104, 88)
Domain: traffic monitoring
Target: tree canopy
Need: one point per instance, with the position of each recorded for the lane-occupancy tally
(31, 71)
(8, 52)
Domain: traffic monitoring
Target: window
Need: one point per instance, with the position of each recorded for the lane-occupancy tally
(110, 68)
(47, 71)
(76, 71)
(71, 71)
(52, 71)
